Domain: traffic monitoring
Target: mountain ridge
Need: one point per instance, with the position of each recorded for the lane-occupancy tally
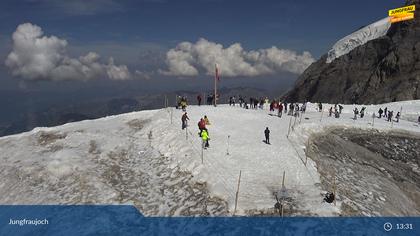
(385, 69)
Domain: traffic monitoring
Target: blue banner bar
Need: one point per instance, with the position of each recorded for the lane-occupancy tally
(127, 220)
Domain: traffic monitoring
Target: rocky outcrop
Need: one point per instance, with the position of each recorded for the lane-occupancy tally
(382, 70)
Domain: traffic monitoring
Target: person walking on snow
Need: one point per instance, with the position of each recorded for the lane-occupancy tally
(303, 107)
(390, 114)
(205, 138)
(267, 135)
(362, 112)
(380, 112)
(386, 112)
(356, 112)
(199, 99)
(184, 119)
(206, 120)
(398, 116)
(280, 110)
(340, 108)
(319, 107)
(201, 125)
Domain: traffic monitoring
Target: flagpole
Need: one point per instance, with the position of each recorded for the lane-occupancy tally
(215, 85)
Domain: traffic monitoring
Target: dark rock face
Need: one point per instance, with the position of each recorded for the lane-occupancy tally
(383, 70)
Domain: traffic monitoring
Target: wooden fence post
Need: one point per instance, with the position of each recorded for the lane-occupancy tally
(290, 123)
(237, 192)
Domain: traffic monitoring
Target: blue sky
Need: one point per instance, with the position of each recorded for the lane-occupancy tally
(140, 33)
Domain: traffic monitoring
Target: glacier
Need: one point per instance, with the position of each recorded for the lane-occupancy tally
(359, 37)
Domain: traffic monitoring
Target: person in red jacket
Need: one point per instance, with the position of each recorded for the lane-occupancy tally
(202, 125)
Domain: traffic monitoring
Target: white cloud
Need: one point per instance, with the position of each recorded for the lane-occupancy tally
(35, 56)
(143, 75)
(188, 59)
(117, 72)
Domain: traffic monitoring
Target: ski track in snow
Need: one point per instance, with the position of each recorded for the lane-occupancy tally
(141, 158)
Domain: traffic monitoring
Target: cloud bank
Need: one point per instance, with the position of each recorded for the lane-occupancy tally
(189, 59)
(38, 57)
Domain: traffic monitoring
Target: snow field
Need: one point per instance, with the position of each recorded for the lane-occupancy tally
(109, 160)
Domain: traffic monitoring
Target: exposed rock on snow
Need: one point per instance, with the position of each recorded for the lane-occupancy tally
(373, 170)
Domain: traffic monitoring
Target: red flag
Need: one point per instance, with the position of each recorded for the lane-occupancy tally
(217, 73)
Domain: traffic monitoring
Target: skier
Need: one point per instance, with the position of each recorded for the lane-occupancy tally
(356, 112)
(267, 135)
(398, 116)
(184, 119)
(380, 112)
(205, 138)
(199, 99)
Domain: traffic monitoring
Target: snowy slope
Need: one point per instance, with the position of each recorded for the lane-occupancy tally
(141, 158)
(360, 37)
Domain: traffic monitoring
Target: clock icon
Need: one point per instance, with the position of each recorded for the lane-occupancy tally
(387, 226)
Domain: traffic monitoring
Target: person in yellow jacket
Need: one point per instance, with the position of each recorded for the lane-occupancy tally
(206, 120)
(205, 137)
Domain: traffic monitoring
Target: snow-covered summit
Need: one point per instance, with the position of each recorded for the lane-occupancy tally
(360, 37)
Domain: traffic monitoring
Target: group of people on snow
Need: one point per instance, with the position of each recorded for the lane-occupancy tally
(336, 110)
(254, 103)
(202, 126)
(356, 112)
(388, 114)
(203, 131)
